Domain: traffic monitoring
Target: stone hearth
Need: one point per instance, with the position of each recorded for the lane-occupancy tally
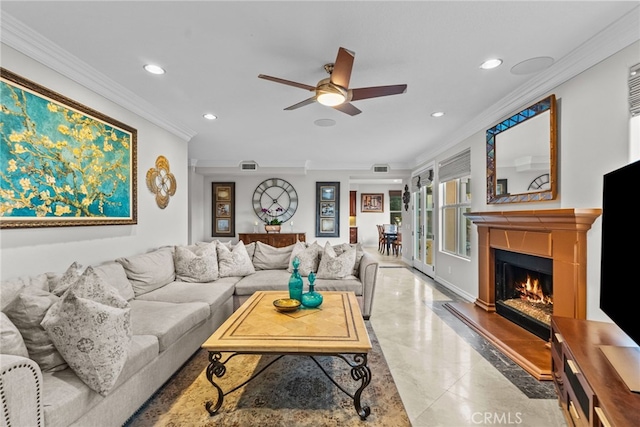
(558, 234)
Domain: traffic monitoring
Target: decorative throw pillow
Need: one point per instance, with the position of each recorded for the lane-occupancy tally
(359, 254)
(91, 327)
(26, 312)
(308, 257)
(11, 341)
(149, 271)
(196, 263)
(234, 262)
(334, 266)
(59, 284)
(267, 257)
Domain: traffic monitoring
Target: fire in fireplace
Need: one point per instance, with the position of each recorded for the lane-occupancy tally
(524, 290)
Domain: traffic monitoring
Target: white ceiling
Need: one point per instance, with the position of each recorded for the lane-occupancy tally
(213, 52)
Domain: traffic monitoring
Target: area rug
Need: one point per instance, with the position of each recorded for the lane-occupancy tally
(291, 392)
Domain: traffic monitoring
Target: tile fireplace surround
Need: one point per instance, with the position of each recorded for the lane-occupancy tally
(558, 234)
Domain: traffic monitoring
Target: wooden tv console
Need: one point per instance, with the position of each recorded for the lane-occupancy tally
(590, 391)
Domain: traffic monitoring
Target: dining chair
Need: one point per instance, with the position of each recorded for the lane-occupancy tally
(396, 245)
(382, 240)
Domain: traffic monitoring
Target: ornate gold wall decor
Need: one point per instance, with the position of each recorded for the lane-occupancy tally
(161, 182)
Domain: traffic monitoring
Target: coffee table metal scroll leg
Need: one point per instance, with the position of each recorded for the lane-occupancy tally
(217, 368)
(361, 372)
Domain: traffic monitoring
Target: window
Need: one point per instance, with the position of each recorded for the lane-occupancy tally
(634, 109)
(395, 207)
(455, 201)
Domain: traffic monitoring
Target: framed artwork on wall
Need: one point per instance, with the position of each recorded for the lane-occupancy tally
(63, 163)
(372, 202)
(223, 206)
(327, 209)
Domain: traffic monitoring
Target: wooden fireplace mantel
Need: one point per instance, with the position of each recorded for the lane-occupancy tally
(559, 234)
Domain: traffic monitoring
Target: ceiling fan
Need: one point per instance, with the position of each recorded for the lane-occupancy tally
(334, 91)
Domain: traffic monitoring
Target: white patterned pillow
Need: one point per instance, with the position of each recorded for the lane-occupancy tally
(334, 266)
(234, 262)
(59, 284)
(26, 312)
(11, 341)
(308, 257)
(359, 254)
(197, 264)
(91, 327)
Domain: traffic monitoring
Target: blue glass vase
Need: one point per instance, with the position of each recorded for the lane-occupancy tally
(295, 281)
(312, 298)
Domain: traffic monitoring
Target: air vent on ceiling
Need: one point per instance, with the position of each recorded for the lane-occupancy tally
(249, 166)
(381, 168)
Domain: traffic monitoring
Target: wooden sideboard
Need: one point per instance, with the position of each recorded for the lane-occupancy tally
(589, 389)
(278, 240)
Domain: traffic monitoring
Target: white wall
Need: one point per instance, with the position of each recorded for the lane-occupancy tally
(593, 139)
(33, 251)
(304, 218)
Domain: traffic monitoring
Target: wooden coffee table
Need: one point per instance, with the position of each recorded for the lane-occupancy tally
(336, 329)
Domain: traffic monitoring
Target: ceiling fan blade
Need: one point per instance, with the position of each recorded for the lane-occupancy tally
(373, 92)
(341, 73)
(302, 103)
(287, 82)
(348, 108)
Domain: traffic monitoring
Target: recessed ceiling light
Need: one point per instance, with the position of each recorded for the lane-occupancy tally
(491, 63)
(210, 116)
(154, 69)
(437, 114)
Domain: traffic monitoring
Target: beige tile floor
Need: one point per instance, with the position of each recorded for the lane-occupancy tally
(442, 379)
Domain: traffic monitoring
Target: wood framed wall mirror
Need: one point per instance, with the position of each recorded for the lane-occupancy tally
(522, 155)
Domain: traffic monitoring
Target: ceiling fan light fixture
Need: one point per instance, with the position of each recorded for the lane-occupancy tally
(330, 94)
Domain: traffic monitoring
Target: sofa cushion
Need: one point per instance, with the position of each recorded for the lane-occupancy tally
(91, 327)
(11, 341)
(308, 257)
(214, 294)
(263, 280)
(65, 397)
(112, 273)
(267, 257)
(167, 321)
(10, 289)
(333, 266)
(348, 284)
(196, 263)
(26, 312)
(149, 271)
(235, 262)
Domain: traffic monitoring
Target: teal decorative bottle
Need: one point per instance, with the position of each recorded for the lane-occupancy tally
(295, 281)
(312, 298)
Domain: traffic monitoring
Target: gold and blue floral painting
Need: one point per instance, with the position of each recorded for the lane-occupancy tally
(62, 163)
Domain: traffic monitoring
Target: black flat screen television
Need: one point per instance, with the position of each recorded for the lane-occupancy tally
(620, 267)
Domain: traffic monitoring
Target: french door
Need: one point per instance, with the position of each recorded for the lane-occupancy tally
(423, 232)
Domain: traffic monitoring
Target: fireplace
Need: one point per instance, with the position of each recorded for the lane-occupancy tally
(555, 241)
(524, 290)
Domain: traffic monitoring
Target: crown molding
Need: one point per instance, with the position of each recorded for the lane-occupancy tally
(29, 42)
(607, 42)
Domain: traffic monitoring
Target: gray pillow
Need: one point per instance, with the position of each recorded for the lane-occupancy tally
(149, 271)
(267, 257)
(112, 273)
(308, 257)
(26, 312)
(11, 341)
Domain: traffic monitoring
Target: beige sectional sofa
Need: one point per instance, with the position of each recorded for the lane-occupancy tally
(162, 304)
